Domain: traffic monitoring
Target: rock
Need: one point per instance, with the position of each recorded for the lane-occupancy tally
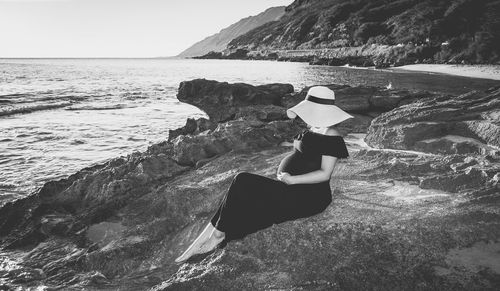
(360, 61)
(354, 99)
(277, 88)
(361, 229)
(471, 178)
(189, 128)
(403, 136)
(381, 64)
(358, 124)
(99, 192)
(451, 144)
(221, 101)
(233, 135)
(363, 99)
(453, 173)
(467, 162)
(487, 130)
(192, 126)
(54, 224)
(262, 112)
(471, 119)
(328, 61)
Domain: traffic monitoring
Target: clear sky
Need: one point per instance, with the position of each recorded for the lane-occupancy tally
(115, 28)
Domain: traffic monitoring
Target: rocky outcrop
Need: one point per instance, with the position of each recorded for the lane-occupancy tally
(469, 123)
(399, 218)
(224, 101)
(465, 128)
(221, 101)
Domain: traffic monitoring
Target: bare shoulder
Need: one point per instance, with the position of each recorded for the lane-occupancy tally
(332, 131)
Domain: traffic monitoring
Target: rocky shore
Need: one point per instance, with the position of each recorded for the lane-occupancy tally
(373, 55)
(416, 206)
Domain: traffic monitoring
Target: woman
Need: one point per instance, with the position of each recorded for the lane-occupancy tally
(255, 202)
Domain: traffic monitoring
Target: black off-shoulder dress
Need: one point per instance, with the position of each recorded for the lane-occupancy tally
(254, 202)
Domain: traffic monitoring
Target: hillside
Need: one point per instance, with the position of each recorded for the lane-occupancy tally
(384, 31)
(219, 41)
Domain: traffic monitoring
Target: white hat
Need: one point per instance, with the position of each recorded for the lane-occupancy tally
(318, 109)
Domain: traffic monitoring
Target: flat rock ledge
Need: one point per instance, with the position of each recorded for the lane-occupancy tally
(416, 206)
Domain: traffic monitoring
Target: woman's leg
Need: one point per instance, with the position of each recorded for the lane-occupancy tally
(305, 200)
(251, 204)
(207, 241)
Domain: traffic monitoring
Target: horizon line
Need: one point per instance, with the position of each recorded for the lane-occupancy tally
(164, 57)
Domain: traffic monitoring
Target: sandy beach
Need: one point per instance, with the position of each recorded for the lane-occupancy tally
(473, 71)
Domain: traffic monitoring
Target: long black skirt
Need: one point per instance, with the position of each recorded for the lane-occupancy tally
(255, 202)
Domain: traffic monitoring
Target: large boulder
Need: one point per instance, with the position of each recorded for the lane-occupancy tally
(469, 123)
(221, 100)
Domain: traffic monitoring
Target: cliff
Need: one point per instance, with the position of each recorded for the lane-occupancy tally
(220, 40)
(414, 207)
(384, 32)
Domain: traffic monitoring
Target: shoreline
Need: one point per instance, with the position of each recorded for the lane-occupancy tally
(491, 72)
(141, 210)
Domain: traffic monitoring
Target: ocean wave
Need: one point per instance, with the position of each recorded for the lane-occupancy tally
(134, 95)
(99, 107)
(17, 95)
(7, 186)
(47, 96)
(19, 98)
(32, 108)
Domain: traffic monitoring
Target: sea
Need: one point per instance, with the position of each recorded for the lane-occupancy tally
(60, 115)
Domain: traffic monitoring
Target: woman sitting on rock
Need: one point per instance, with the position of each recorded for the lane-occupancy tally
(255, 202)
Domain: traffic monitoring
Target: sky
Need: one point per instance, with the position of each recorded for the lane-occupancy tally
(115, 28)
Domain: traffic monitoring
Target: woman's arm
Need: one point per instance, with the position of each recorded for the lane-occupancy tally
(321, 175)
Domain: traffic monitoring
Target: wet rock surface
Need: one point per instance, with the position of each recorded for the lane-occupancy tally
(411, 211)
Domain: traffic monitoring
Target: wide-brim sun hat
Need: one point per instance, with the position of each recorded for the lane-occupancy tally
(318, 109)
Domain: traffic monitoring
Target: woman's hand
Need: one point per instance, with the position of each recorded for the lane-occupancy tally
(285, 178)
